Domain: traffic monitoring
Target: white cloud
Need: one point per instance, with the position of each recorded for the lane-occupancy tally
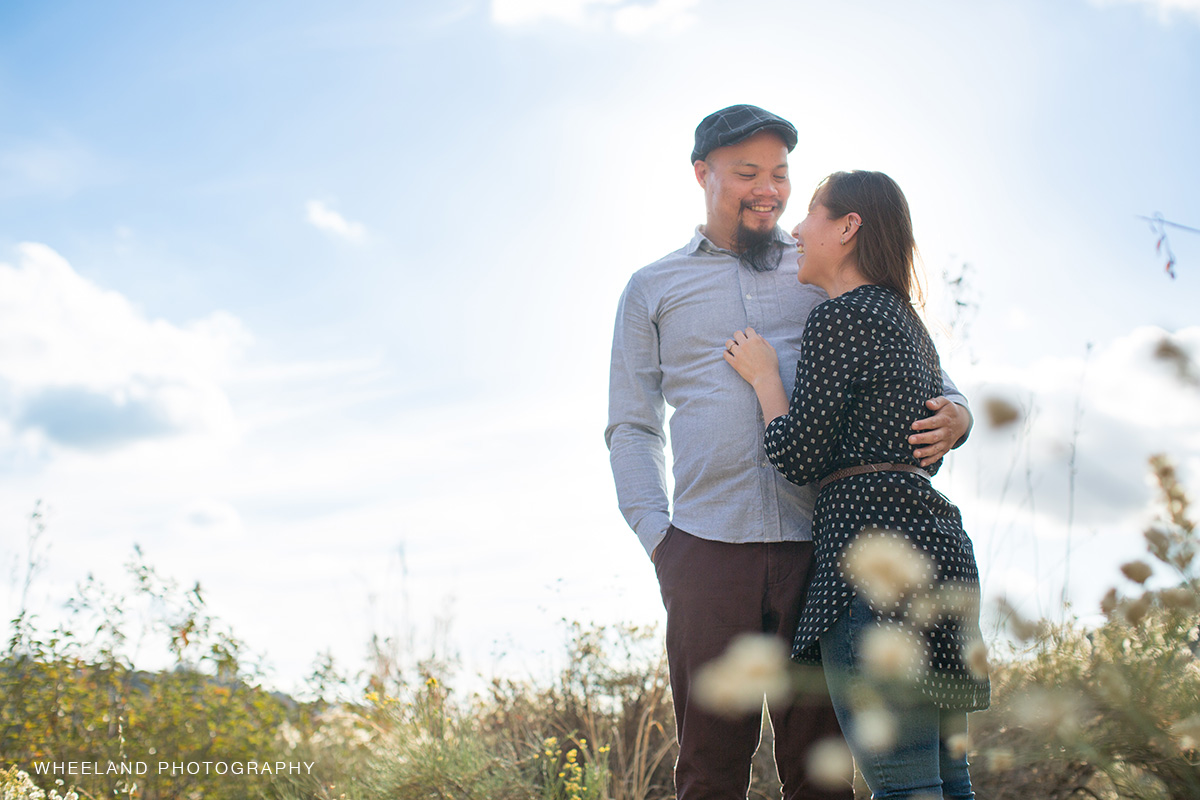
(1064, 494)
(631, 19)
(82, 367)
(326, 219)
(1112, 409)
(1165, 9)
(671, 15)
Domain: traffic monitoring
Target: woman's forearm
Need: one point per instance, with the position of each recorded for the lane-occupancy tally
(771, 397)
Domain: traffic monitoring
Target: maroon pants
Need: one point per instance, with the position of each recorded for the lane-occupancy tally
(714, 591)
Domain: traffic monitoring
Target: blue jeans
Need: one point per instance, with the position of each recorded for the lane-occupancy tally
(918, 764)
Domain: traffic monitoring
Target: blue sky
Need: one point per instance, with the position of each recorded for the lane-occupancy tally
(314, 303)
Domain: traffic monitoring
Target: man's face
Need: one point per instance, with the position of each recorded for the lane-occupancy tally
(746, 189)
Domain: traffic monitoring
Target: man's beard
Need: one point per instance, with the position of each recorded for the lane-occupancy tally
(756, 249)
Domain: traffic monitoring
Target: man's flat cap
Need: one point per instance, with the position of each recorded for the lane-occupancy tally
(731, 125)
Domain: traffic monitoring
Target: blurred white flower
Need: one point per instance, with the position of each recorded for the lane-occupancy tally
(957, 745)
(950, 601)
(288, 735)
(889, 652)
(875, 728)
(977, 659)
(1000, 759)
(830, 765)
(340, 724)
(1055, 711)
(753, 667)
(885, 566)
(926, 610)
(1188, 732)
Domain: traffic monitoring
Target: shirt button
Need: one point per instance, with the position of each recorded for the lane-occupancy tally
(749, 297)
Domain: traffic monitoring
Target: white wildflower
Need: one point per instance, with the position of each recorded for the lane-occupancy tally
(1000, 759)
(957, 745)
(830, 765)
(15, 784)
(875, 728)
(977, 659)
(1188, 732)
(885, 566)
(753, 667)
(889, 652)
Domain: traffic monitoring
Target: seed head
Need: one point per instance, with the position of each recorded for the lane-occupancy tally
(890, 653)
(830, 765)
(753, 667)
(1137, 571)
(885, 567)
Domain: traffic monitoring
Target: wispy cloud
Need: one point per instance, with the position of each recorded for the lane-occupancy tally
(1166, 9)
(621, 16)
(83, 368)
(1095, 407)
(58, 168)
(1071, 473)
(326, 219)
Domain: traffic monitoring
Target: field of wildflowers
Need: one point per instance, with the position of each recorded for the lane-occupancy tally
(1111, 711)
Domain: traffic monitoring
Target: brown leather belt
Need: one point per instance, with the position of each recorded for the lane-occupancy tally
(863, 469)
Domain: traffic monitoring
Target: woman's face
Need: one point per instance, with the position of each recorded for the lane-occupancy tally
(818, 240)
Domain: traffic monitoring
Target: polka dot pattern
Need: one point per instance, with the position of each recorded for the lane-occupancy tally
(867, 366)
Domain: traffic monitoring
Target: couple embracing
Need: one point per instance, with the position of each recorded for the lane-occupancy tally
(810, 411)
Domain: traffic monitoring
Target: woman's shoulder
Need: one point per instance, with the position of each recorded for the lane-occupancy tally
(873, 304)
(863, 304)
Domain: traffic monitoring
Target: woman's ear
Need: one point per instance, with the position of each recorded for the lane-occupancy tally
(850, 225)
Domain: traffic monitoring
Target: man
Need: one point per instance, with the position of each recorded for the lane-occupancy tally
(733, 554)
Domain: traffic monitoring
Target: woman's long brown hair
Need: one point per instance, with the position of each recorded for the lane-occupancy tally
(884, 244)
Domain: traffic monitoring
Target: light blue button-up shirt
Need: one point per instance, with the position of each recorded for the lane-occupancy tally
(672, 322)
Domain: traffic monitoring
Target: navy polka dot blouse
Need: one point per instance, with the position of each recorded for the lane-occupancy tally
(867, 366)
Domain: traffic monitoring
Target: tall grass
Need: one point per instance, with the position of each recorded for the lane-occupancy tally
(1110, 711)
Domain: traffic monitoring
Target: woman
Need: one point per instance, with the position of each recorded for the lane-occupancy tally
(892, 609)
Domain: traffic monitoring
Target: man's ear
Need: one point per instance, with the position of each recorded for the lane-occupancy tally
(701, 173)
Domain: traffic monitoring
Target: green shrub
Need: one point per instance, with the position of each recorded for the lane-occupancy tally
(74, 705)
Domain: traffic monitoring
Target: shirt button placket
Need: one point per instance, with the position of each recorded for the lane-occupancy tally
(752, 303)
